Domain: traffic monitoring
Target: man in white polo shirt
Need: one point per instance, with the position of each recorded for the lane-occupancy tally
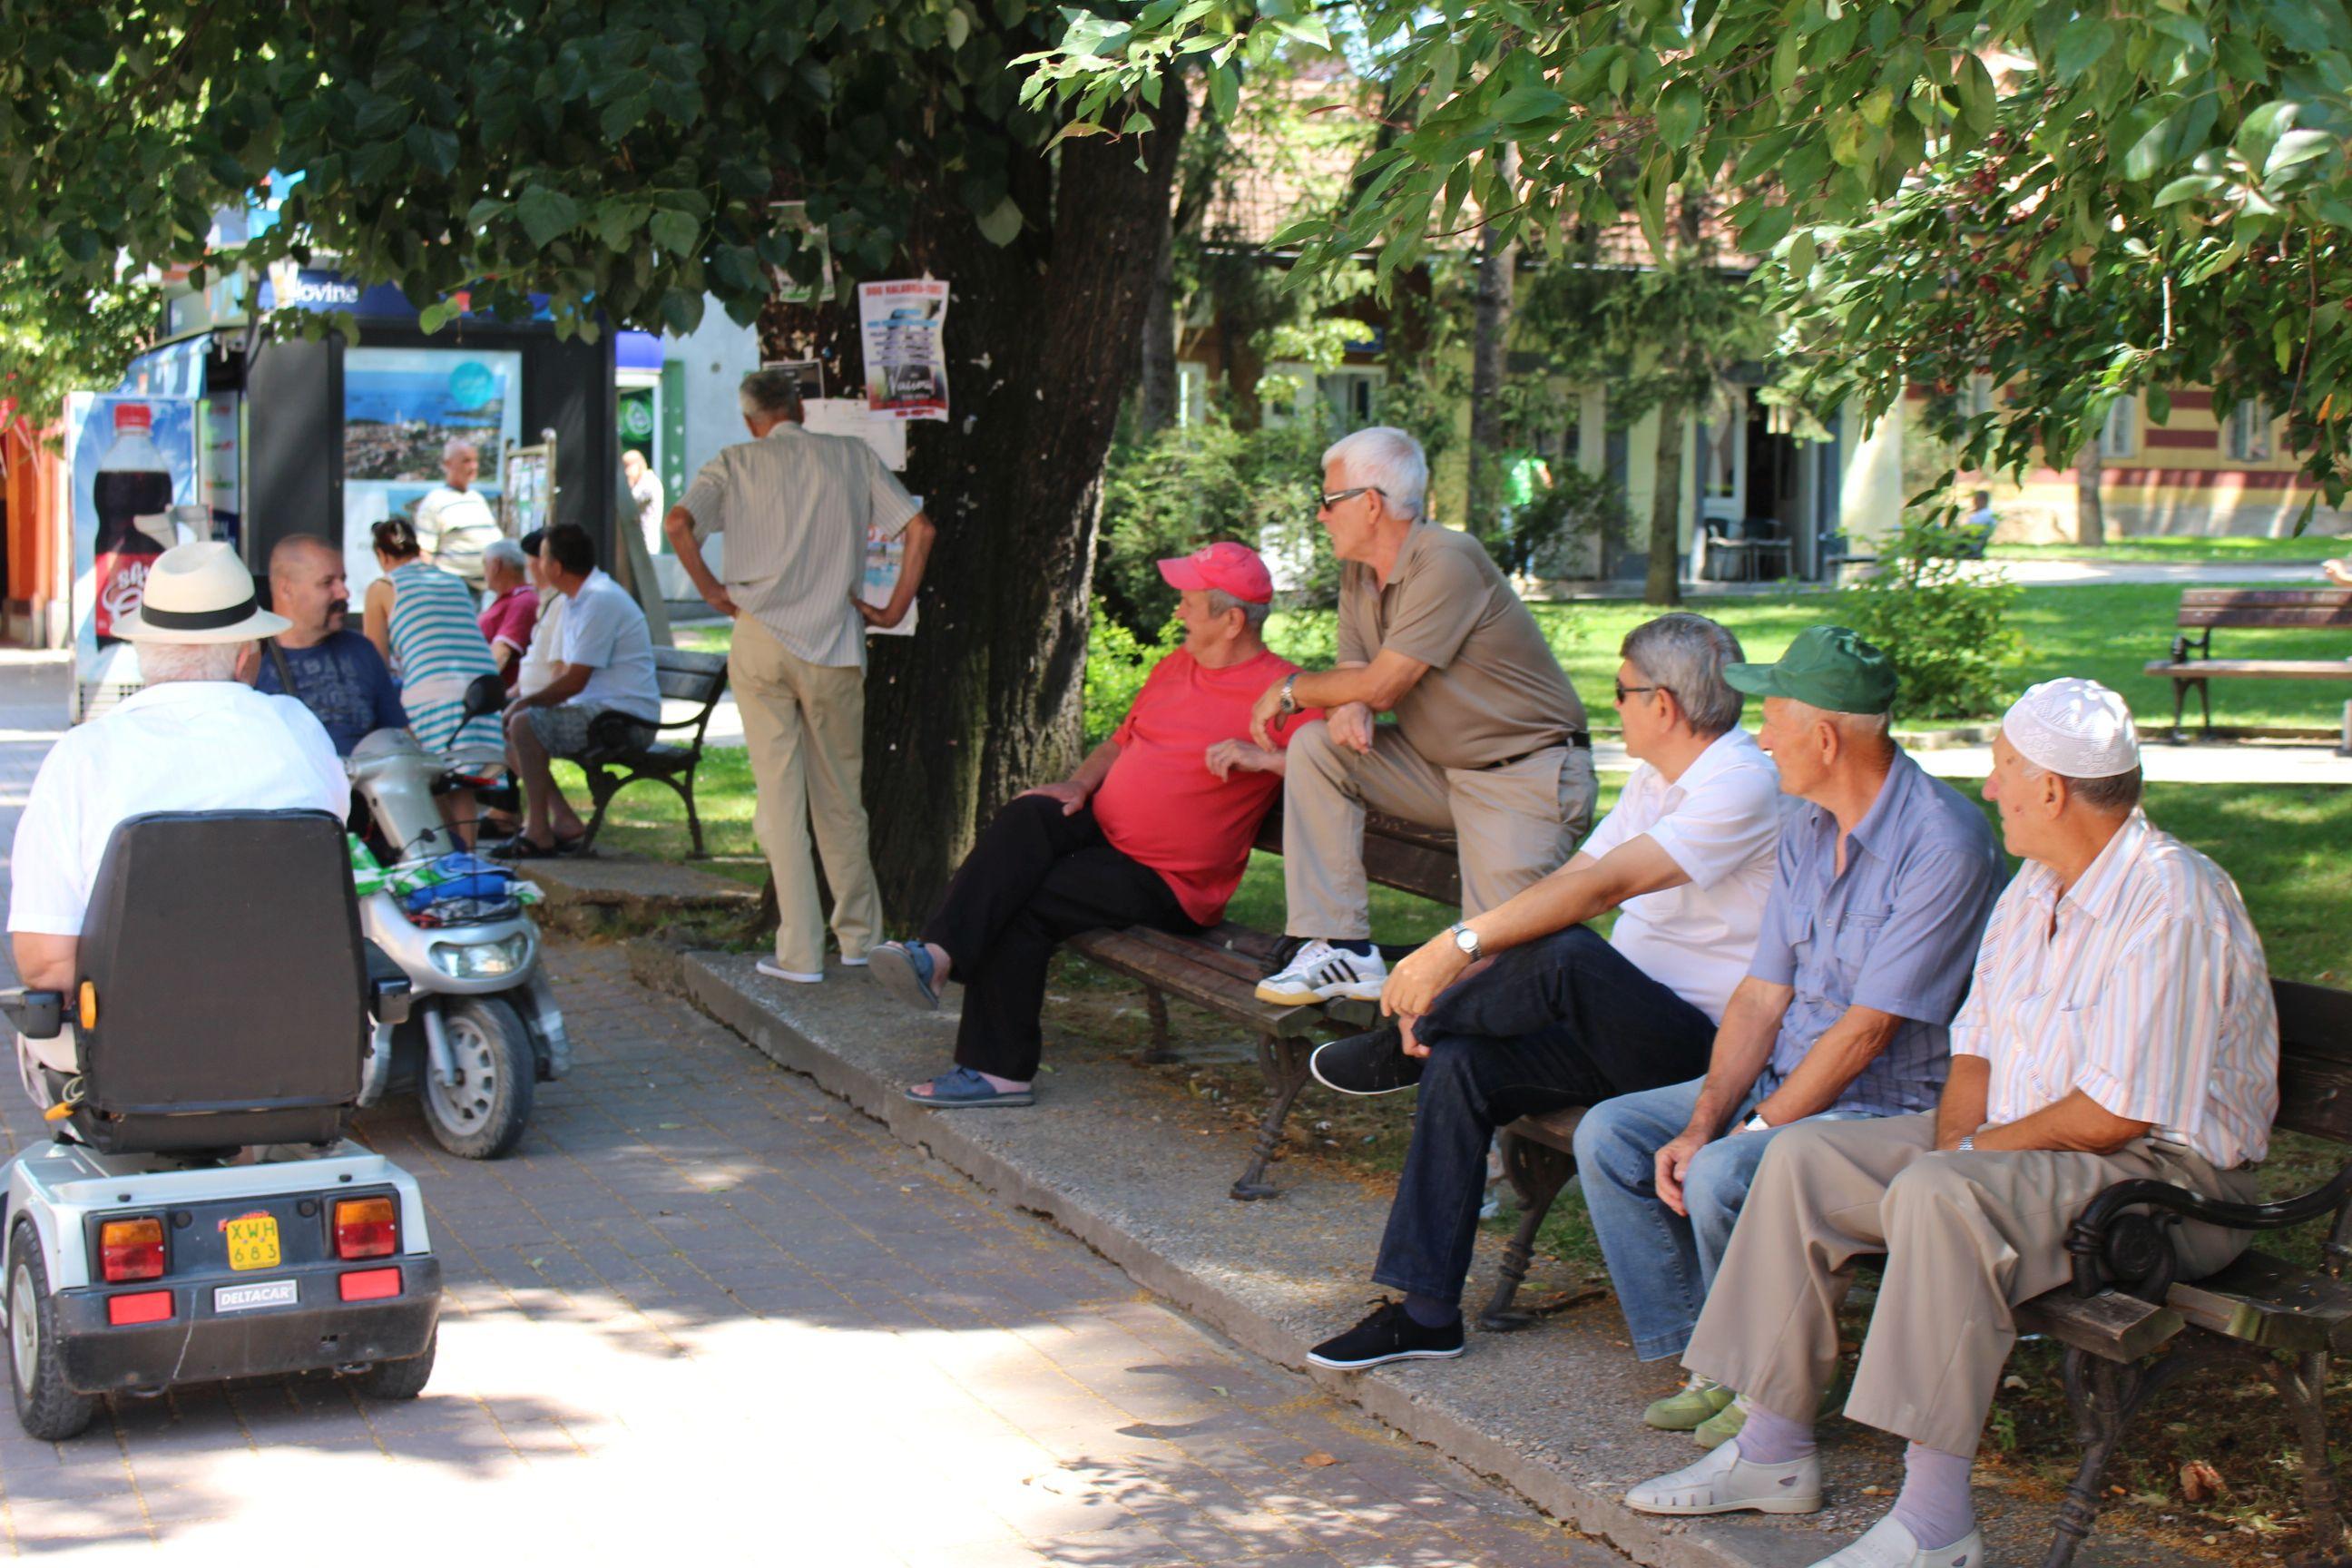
(1561, 1018)
(604, 664)
(2119, 1026)
(194, 738)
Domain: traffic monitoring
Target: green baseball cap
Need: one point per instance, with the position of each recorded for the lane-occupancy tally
(1827, 667)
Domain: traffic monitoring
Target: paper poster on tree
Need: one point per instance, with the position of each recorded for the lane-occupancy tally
(906, 361)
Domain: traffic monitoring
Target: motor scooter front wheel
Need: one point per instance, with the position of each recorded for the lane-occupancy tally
(481, 1116)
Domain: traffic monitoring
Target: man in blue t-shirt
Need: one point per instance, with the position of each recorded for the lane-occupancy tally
(337, 674)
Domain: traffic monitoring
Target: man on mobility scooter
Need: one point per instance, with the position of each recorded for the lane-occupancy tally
(196, 1021)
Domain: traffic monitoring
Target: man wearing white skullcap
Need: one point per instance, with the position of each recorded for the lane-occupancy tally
(2119, 1025)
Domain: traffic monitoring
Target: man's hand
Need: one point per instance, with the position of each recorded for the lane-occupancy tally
(1227, 755)
(1072, 797)
(1408, 1041)
(1674, 1163)
(719, 599)
(881, 616)
(1351, 726)
(1266, 713)
(1414, 983)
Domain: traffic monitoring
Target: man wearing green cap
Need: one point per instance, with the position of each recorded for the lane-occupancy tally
(1884, 880)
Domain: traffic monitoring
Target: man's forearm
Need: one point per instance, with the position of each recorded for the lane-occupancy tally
(1833, 1061)
(920, 534)
(678, 526)
(1089, 774)
(1743, 1043)
(570, 681)
(2077, 1122)
(1331, 687)
(1961, 1110)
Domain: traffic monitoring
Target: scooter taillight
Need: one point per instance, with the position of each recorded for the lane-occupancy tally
(131, 1249)
(366, 1228)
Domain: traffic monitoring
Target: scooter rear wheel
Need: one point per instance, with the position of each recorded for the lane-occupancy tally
(482, 1115)
(46, 1407)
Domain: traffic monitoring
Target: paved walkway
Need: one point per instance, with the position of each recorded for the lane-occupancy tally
(708, 1310)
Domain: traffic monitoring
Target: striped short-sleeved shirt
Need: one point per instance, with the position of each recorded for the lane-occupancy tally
(796, 508)
(2143, 985)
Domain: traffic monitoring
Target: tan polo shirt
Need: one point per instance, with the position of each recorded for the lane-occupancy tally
(1494, 691)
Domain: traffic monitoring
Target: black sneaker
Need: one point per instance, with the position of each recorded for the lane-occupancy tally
(1389, 1334)
(1366, 1064)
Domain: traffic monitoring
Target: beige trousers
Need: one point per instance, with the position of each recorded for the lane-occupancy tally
(806, 727)
(1514, 824)
(1966, 1237)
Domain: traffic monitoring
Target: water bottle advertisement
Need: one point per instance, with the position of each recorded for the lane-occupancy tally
(132, 459)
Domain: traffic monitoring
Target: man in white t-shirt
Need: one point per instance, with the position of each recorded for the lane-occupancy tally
(1552, 1016)
(194, 738)
(603, 664)
(454, 521)
(646, 490)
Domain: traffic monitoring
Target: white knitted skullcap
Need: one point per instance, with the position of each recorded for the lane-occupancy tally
(2074, 727)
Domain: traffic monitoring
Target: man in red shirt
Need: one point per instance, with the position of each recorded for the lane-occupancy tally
(1154, 828)
(513, 609)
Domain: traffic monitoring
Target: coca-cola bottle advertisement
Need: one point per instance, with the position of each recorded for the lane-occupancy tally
(134, 458)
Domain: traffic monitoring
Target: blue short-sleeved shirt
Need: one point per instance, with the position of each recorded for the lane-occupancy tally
(1897, 930)
(343, 680)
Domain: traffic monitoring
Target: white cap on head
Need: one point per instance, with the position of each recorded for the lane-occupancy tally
(2074, 727)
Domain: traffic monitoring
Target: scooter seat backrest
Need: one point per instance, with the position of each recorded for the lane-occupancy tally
(226, 983)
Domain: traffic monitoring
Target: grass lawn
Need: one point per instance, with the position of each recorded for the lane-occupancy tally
(2183, 550)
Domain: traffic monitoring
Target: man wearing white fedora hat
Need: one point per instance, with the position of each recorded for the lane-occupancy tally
(194, 738)
(2119, 1026)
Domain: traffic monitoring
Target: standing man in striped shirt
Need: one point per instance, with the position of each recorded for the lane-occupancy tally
(2120, 1028)
(796, 508)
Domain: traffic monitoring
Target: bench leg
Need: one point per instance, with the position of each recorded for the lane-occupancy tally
(1537, 1174)
(2104, 1395)
(1161, 1052)
(2180, 702)
(693, 820)
(1284, 1062)
(2303, 1384)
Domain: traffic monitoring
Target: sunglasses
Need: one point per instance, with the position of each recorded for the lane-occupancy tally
(1336, 496)
(1624, 690)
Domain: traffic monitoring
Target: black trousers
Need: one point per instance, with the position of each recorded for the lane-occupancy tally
(1036, 878)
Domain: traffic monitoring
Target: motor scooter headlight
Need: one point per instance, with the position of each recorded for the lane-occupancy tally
(481, 960)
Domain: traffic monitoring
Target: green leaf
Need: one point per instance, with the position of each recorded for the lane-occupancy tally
(1225, 91)
(673, 231)
(624, 115)
(1679, 112)
(1000, 225)
(2083, 43)
(2299, 147)
(1767, 231)
(1524, 103)
(959, 28)
(2189, 188)
(1445, 72)
(546, 213)
(431, 319)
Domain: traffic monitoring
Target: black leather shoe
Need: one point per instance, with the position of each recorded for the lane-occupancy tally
(1389, 1334)
(1366, 1064)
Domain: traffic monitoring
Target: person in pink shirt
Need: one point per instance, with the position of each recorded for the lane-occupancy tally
(1153, 829)
(513, 608)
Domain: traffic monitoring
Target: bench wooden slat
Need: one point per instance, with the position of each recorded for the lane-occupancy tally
(2111, 1327)
(2263, 598)
(2267, 1301)
(1553, 1130)
(2251, 669)
(1225, 961)
(2286, 616)
(1186, 977)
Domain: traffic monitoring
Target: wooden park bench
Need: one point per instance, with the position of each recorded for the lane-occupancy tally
(1218, 971)
(613, 762)
(2204, 609)
(2130, 1327)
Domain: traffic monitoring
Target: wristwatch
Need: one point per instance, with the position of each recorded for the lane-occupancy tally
(1289, 703)
(1967, 1145)
(1755, 1123)
(1466, 939)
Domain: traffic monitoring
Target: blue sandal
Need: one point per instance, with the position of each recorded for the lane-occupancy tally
(961, 1089)
(904, 968)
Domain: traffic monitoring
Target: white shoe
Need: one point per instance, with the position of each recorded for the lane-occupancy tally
(1889, 1543)
(774, 970)
(1321, 973)
(1723, 1482)
(855, 962)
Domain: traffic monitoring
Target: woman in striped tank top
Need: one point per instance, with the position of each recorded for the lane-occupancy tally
(421, 619)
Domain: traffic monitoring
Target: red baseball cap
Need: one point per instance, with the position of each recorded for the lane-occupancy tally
(1233, 568)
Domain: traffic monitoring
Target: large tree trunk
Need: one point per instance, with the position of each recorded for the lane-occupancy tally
(2090, 516)
(984, 699)
(1665, 584)
(1489, 348)
(1159, 394)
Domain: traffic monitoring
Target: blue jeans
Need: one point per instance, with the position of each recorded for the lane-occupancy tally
(1564, 1020)
(1663, 1263)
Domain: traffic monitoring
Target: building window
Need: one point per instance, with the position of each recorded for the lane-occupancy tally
(2247, 436)
(1192, 392)
(2119, 438)
(1353, 396)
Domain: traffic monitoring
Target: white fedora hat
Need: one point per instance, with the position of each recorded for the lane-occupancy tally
(199, 593)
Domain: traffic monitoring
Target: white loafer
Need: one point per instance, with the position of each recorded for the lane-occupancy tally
(1723, 1482)
(1889, 1543)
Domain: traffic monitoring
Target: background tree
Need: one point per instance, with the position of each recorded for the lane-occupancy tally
(623, 158)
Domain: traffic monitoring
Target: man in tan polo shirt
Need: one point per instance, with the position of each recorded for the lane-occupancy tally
(1489, 738)
(795, 508)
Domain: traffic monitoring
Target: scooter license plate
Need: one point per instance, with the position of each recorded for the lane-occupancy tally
(253, 1242)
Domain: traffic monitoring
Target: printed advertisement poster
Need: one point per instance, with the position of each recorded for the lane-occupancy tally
(883, 560)
(906, 359)
(402, 407)
(132, 459)
(222, 438)
(850, 417)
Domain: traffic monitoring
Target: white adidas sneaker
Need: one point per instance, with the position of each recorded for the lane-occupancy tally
(1321, 973)
(1723, 1482)
(1889, 1543)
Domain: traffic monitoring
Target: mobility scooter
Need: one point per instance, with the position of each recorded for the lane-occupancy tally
(200, 1214)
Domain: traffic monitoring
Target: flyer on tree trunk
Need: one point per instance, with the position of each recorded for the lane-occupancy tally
(906, 360)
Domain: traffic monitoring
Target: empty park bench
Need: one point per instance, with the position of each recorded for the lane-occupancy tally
(2130, 1327)
(612, 760)
(1219, 969)
(2203, 610)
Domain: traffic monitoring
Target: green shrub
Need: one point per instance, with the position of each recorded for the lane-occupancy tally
(1940, 617)
(1116, 662)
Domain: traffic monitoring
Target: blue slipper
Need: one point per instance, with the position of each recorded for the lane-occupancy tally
(961, 1089)
(904, 969)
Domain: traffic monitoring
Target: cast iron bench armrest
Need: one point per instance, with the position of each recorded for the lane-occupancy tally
(2105, 1248)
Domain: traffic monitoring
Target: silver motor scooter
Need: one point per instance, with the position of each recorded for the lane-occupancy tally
(483, 1025)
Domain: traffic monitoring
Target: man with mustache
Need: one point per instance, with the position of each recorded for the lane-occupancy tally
(334, 671)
